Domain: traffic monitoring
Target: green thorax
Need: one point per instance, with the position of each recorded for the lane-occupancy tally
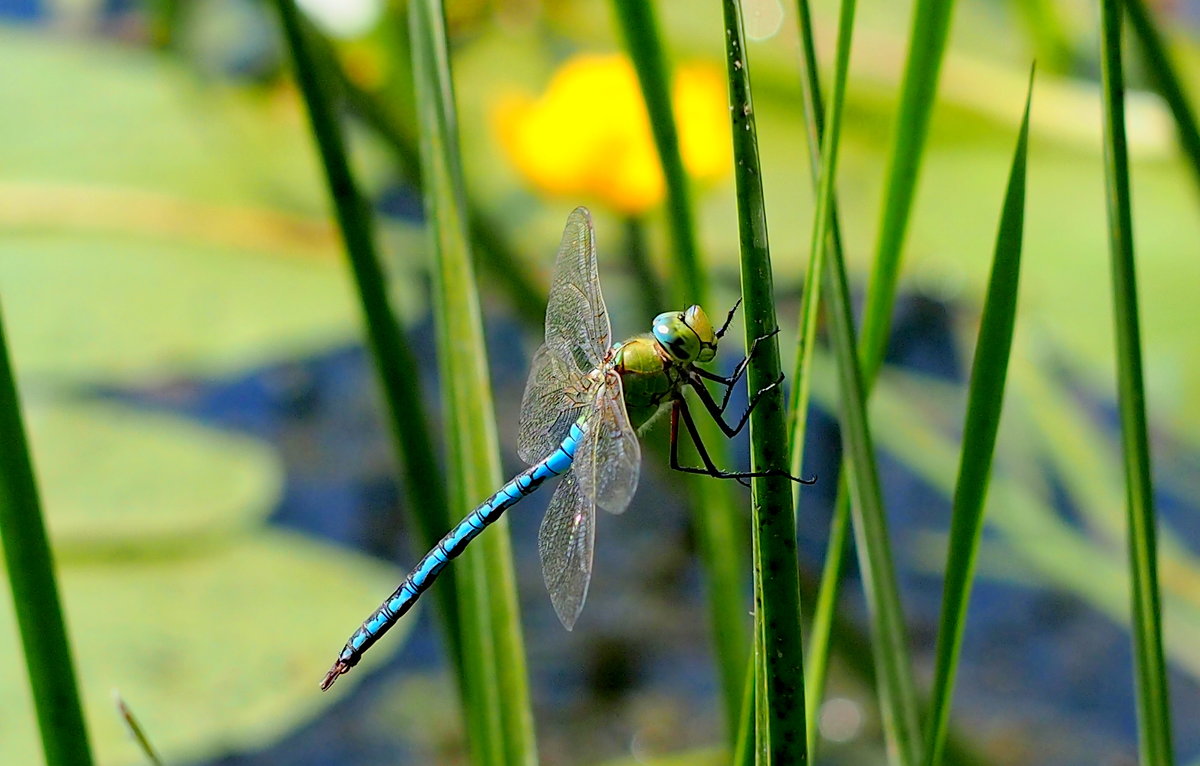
(649, 377)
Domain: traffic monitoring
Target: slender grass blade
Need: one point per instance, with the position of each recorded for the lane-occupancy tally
(498, 700)
(30, 566)
(1154, 716)
(984, 404)
(1166, 80)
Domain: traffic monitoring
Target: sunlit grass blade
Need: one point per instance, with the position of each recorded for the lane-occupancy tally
(135, 730)
(777, 613)
(395, 363)
(926, 47)
(715, 519)
(1166, 80)
(984, 404)
(826, 237)
(1154, 716)
(31, 577)
(498, 705)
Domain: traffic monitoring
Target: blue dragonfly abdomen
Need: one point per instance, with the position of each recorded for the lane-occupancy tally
(455, 542)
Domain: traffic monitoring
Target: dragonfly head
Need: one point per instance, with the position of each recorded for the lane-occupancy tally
(687, 336)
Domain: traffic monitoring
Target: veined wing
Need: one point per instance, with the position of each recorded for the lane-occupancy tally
(577, 327)
(565, 544)
(608, 457)
(577, 338)
(548, 407)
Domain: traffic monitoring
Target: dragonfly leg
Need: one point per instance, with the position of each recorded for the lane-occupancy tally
(680, 409)
(709, 468)
(718, 413)
(728, 318)
(738, 371)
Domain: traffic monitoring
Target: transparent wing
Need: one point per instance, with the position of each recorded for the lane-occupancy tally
(565, 544)
(547, 409)
(577, 327)
(608, 457)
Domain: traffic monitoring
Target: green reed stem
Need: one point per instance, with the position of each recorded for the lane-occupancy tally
(927, 45)
(1166, 80)
(1154, 716)
(985, 400)
(715, 518)
(30, 566)
(776, 571)
(395, 363)
(499, 261)
(498, 706)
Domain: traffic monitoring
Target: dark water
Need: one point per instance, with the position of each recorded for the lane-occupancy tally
(1045, 678)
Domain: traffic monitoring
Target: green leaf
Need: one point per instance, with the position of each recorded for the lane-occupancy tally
(985, 402)
(823, 151)
(35, 594)
(1154, 709)
(216, 650)
(498, 707)
(117, 481)
(776, 572)
(201, 309)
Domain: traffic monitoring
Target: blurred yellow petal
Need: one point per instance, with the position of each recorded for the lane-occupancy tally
(701, 111)
(588, 134)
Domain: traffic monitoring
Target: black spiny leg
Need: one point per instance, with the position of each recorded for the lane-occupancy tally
(738, 371)
(680, 408)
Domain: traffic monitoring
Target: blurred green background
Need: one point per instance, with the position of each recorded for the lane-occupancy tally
(219, 486)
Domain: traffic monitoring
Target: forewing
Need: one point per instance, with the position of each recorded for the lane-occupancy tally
(608, 457)
(547, 410)
(565, 543)
(577, 327)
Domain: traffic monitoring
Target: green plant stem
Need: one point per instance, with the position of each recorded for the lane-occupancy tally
(35, 597)
(395, 362)
(985, 401)
(777, 613)
(498, 707)
(1166, 80)
(1154, 717)
(503, 267)
(896, 688)
(717, 523)
(926, 46)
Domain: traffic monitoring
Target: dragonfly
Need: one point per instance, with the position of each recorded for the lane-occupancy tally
(584, 404)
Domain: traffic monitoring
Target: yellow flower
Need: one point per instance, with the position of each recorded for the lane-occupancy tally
(588, 134)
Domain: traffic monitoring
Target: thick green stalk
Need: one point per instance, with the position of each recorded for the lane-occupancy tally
(30, 567)
(715, 518)
(1154, 716)
(777, 613)
(498, 692)
(1166, 80)
(985, 400)
(394, 359)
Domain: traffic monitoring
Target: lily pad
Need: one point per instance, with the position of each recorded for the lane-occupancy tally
(213, 652)
(115, 480)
